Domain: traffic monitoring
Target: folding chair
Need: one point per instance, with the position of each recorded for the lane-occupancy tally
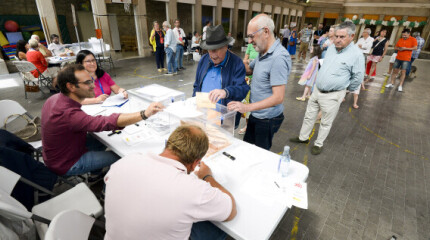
(189, 54)
(10, 107)
(31, 83)
(71, 225)
(79, 198)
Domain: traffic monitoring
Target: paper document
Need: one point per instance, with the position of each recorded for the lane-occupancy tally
(115, 101)
(155, 90)
(202, 100)
(93, 109)
(182, 110)
(300, 195)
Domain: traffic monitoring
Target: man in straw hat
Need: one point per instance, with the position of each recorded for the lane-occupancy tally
(270, 71)
(220, 72)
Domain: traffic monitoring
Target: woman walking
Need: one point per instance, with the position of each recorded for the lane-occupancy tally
(378, 51)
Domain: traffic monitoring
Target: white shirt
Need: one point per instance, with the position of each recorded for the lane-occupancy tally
(56, 49)
(231, 43)
(366, 44)
(153, 197)
(204, 33)
(193, 42)
(179, 35)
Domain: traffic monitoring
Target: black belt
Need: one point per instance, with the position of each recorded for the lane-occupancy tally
(330, 91)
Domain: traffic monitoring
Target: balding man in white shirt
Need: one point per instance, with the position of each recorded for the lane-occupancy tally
(150, 196)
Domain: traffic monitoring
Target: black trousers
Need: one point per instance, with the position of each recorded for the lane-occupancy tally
(159, 57)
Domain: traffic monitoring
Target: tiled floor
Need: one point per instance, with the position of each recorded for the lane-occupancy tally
(372, 179)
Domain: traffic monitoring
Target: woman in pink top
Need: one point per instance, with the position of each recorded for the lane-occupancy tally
(103, 83)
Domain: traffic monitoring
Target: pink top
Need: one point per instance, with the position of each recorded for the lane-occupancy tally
(153, 197)
(106, 82)
(64, 131)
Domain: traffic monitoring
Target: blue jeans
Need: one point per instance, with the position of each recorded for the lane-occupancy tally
(261, 131)
(408, 70)
(171, 64)
(179, 55)
(94, 160)
(402, 65)
(206, 231)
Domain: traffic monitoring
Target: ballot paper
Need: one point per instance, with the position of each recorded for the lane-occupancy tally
(143, 135)
(93, 109)
(155, 91)
(115, 101)
(183, 110)
(202, 100)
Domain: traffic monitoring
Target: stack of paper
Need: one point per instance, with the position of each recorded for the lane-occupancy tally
(115, 101)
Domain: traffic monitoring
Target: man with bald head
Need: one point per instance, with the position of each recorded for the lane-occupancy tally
(270, 74)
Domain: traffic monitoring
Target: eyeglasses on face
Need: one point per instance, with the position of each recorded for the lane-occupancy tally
(252, 35)
(88, 82)
(90, 61)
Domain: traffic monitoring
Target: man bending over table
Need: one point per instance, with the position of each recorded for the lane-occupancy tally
(151, 196)
(67, 149)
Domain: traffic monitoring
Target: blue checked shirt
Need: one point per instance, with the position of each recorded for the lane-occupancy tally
(420, 42)
(341, 69)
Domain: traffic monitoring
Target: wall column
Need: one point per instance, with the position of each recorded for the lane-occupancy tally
(48, 18)
(248, 15)
(289, 18)
(198, 16)
(281, 19)
(235, 19)
(101, 20)
(142, 32)
(378, 27)
(218, 18)
(173, 12)
(263, 5)
(426, 34)
(320, 19)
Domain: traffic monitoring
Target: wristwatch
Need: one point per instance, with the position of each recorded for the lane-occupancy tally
(142, 114)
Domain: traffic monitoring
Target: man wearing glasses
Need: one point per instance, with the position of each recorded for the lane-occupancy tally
(343, 68)
(67, 149)
(270, 72)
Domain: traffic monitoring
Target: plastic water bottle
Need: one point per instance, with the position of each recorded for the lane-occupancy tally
(284, 162)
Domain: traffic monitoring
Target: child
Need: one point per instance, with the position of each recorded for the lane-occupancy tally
(310, 75)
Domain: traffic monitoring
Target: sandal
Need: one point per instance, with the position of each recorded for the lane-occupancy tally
(242, 131)
(301, 99)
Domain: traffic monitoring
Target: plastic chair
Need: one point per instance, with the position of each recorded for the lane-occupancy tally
(31, 83)
(79, 198)
(189, 54)
(10, 107)
(70, 225)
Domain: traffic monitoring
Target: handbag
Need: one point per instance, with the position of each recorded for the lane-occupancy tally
(30, 132)
(292, 43)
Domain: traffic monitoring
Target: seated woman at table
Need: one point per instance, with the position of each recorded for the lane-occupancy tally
(103, 83)
(21, 49)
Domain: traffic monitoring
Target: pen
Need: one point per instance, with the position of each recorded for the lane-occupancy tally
(229, 156)
(277, 184)
(114, 132)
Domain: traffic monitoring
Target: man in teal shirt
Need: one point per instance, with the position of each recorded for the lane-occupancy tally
(343, 68)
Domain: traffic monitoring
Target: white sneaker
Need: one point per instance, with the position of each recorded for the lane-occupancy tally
(400, 89)
(387, 74)
(389, 85)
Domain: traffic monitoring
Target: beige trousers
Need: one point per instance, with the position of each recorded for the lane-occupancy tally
(329, 104)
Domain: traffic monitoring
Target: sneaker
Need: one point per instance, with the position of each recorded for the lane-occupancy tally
(389, 85)
(168, 74)
(182, 68)
(159, 70)
(387, 74)
(165, 69)
(315, 150)
(175, 73)
(400, 89)
(297, 140)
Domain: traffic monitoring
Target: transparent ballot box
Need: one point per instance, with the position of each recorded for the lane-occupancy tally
(157, 93)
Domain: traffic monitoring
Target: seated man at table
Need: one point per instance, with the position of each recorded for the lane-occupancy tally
(57, 48)
(154, 196)
(67, 149)
(220, 72)
(36, 57)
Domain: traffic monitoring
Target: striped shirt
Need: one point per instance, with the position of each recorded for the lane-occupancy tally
(341, 69)
(420, 42)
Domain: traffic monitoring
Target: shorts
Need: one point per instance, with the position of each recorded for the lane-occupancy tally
(374, 58)
(303, 47)
(404, 65)
(393, 58)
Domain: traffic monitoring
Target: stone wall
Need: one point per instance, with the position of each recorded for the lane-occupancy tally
(155, 11)
(125, 21)
(184, 15)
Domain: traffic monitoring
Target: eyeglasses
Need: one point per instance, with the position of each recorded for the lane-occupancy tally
(88, 82)
(252, 35)
(90, 61)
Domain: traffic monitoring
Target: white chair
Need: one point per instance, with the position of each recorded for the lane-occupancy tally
(10, 107)
(70, 225)
(79, 198)
(31, 83)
